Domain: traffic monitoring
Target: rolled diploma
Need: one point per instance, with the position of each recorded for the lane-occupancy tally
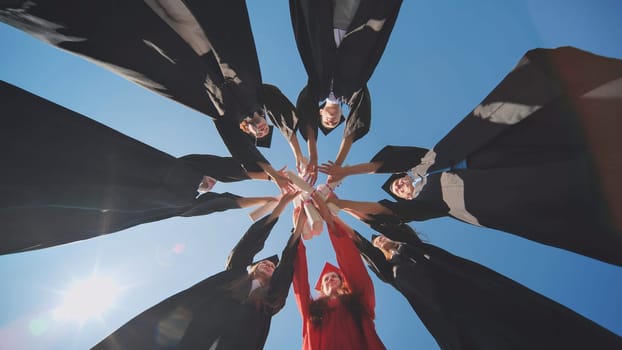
(263, 210)
(306, 229)
(313, 217)
(299, 182)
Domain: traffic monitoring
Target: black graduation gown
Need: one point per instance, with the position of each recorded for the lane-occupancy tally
(542, 154)
(465, 305)
(66, 177)
(347, 68)
(130, 39)
(280, 110)
(217, 309)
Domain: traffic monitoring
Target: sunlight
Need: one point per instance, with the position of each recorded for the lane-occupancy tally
(88, 298)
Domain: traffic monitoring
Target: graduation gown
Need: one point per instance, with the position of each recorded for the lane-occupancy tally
(344, 70)
(280, 110)
(542, 153)
(465, 305)
(199, 53)
(218, 312)
(67, 177)
(339, 328)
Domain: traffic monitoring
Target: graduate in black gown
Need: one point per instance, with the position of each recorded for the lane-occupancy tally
(66, 177)
(539, 157)
(230, 310)
(465, 305)
(199, 53)
(340, 43)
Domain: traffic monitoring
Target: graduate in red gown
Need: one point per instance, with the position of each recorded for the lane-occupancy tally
(343, 316)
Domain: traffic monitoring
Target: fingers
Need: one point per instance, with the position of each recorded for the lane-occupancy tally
(329, 168)
(312, 178)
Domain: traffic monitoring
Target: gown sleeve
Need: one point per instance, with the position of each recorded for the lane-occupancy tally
(250, 244)
(283, 275)
(302, 291)
(414, 210)
(281, 110)
(308, 112)
(397, 159)
(223, 169)
(352, 266)
(359, 118)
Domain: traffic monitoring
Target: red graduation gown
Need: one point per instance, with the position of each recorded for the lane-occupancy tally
(339, 329)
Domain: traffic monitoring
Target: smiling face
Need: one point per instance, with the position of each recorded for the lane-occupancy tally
(403, 187)
(383, 242)
(259, 126)
(331, 284)
(330, 115)
(263, 270)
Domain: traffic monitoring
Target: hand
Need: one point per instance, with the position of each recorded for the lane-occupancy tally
(283, 201)
(288, 197)
(301, 165)
(334, 171)
(322, 208)
(282, 181)
(311, 171)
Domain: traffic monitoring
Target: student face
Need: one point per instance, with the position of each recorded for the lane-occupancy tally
(330, 115)
(264, 269)
(259, 126)
(403, 188)
(383, 242)
(331, 283)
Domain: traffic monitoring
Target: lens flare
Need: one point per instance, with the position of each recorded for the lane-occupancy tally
(87, 298)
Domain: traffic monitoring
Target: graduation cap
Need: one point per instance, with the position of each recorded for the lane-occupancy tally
(328, 267)
(387, 185)
(265, 141)
(274, 259)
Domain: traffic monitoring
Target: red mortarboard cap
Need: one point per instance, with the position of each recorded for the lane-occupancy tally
(328, 267)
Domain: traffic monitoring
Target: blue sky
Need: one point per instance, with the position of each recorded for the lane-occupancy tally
(442, 59)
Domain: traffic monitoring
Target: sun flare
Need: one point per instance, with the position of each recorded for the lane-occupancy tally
(87, 298)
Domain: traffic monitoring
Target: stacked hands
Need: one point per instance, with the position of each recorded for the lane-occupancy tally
(312, 205)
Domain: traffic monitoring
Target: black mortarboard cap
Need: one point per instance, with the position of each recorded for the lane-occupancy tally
(265, 141)
(274, 259)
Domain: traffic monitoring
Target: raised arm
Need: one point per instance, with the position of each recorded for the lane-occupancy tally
(308, 117)
(253, 240)
(344, 149)
(281, 181)
(372, 208)
(250, 244)
(284, 272)
(337, 172)
(283, 275)
(311, 169)
(302, 291)
(282, 113)
(351, 264)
